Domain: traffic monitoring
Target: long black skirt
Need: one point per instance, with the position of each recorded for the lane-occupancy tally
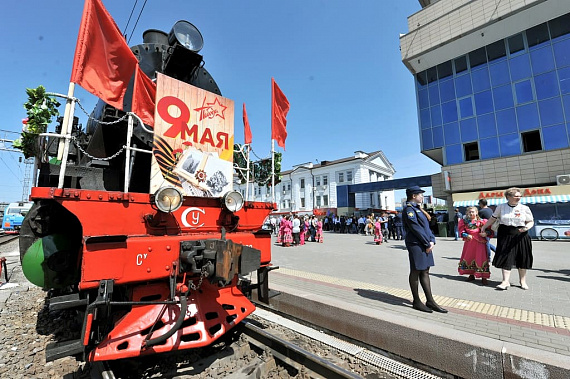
(514, 249)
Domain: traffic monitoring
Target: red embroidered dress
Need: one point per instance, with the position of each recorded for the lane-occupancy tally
(474, 259)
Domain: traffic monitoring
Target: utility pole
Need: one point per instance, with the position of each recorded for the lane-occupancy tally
(28, 164)
(27, 168)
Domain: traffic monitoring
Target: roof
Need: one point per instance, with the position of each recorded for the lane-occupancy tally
(323, 163)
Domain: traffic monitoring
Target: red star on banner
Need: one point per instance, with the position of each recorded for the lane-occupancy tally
(211, 110)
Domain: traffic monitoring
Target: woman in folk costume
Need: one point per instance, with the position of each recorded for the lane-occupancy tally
(280, 231)
(319, 234)
(378, 232)
(474, 259)
(307, 229)
(287, 232)
(303, 232)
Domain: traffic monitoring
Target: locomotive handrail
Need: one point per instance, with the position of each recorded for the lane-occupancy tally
(66, 136)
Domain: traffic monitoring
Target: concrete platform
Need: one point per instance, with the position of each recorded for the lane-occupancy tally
(353, 287)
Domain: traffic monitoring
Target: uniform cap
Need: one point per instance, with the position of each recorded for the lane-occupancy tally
(413, 190)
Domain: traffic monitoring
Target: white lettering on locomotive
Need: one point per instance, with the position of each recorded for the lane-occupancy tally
(140, 258)
(194, 217)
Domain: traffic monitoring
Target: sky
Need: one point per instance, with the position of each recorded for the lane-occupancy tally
(338, 63)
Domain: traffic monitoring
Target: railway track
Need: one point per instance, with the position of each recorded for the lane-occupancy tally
(259, 348)
(6, 238)
(297, 358)
(256, 353)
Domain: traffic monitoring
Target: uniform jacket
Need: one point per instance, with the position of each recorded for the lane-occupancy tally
(417, 227)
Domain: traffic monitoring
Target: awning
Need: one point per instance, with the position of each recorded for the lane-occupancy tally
(524, 200)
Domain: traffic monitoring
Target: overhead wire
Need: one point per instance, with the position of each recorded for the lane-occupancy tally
(9, 169)
(136, 23)
(129, 20)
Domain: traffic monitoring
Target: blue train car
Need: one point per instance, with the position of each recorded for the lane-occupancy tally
(14, 215)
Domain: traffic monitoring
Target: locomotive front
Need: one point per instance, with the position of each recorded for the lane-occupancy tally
(164, 265)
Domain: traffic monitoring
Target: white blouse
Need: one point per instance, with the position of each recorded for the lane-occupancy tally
(513, 216)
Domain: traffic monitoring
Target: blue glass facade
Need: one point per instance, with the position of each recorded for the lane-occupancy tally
(496, 95)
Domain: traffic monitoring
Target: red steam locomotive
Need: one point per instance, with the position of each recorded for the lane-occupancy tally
(151, 270)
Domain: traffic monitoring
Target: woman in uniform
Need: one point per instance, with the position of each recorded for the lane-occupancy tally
(419, 242)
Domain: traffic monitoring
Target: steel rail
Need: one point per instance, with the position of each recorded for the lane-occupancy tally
(281, 348)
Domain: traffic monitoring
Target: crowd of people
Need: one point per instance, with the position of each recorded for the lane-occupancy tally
(295, 230)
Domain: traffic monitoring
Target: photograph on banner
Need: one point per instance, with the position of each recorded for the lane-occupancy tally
(193, 140)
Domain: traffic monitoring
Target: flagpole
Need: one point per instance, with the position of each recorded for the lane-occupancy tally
(272, 171)
(247, 175)
(65, 125)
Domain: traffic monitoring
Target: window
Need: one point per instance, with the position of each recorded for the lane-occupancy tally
(302, 202)
(477, 57)
(318, 181)
(466, 107)
(531, 141)
(523, 92)
(560, 26)
(463, 85)
(460, 64)
(471, 151)
(326, 200)
(554, 137)
(496, 50)
(516, 43)
(349, 176)
(453, 154)
(431, 74)
(284, 188)
(325, 180)
(536, 35)
(303, 183)
(341, 177)
(318, 201)
(421, 77)
(289, 187)
(489, 148)
(444, 70)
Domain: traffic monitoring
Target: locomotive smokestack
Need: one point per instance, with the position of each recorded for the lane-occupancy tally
(155, 36)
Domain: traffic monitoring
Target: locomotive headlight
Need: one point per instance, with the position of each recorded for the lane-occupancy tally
(168, 199)
(187, 35)
(233, 201)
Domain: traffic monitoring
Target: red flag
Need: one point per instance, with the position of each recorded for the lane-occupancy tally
(103, 63)
(144, 97)
(279, 110)
(246, 128)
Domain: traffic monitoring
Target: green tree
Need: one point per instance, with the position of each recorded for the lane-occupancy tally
(260, 171)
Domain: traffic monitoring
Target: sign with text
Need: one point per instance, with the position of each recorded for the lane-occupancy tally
(193, 140)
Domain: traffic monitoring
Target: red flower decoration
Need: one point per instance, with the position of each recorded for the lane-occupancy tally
(25, 121)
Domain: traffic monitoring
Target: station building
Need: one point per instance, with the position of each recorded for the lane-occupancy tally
(492, 82)
(312, 187)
